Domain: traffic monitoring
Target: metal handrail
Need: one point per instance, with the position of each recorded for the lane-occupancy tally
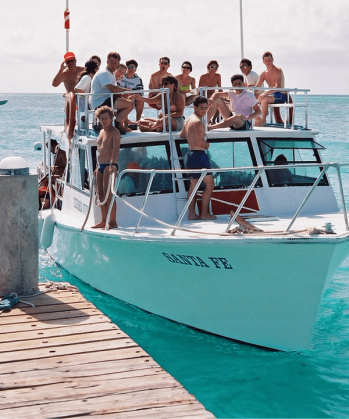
(260, 170)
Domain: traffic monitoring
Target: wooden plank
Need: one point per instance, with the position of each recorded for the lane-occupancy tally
(14, 337)
(64, 357)
(62, 340)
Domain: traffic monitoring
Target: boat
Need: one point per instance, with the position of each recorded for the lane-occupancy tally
(2, 102)
(261, 286)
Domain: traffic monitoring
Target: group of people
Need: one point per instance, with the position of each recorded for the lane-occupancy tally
(114, 90)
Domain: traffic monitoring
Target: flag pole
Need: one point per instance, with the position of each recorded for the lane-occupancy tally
(67, 25)
(241, 32)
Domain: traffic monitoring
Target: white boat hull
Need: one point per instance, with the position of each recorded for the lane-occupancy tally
(266, 294)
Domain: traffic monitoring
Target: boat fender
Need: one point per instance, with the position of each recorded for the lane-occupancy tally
(40, 225)
(70, 114)
(37, 146)
(47, 231)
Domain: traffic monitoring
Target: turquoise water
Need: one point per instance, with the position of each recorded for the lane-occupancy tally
(231, 379)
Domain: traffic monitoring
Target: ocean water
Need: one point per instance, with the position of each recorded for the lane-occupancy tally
(231, 379)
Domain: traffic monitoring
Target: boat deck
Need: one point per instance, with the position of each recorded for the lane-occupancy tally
(64, 358)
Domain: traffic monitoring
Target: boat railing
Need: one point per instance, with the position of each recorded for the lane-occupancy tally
(259, 170)
(294, 98)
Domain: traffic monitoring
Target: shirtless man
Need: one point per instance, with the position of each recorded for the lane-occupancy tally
(68, 73)
(194, 132)
(108, 146)
(274, 77)
(155, 78)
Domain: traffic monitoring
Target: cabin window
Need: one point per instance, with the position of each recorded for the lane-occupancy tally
(144, 156)
(226, 153)
(285, 151)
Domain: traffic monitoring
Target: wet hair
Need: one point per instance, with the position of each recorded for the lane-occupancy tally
(212, 62)
(96, 57)
(171, 80)
(104, 109)
(90, 67)
(115, 55)
(53, 143)
(130, 62)
(164, 58)
(237, 77)
(246, 61)
(198, 100)
(188, 63)
(267, 54)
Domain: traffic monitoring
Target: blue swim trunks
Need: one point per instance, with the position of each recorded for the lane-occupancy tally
(197, 159)
(102, 166)
(279, 97)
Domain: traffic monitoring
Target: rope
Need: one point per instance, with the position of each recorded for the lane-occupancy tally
(111, 183)
(90, 202)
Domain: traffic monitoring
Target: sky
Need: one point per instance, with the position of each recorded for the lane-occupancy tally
(308, 38)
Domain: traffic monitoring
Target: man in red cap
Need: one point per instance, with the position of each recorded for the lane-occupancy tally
(68, 73)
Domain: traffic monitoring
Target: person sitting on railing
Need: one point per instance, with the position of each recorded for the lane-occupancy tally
(132, 81)
(280, 176)
(197, 158)
(176, 110)
(186, 84)
(211, 79)
(68, 73)
(243, 106)
(104, 83)
(156, 78)
(108, 147)
(85, 80)
(274, 77)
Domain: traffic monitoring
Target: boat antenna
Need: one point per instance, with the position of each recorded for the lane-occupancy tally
(241, 32)
(67, 25)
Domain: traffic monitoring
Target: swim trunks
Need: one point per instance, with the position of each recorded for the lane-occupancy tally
(102, 166)
(279, 97)
(246, 125)
(180, 123)
(197, 159)
(107, 102)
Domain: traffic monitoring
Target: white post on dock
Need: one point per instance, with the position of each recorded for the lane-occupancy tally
(19, 267)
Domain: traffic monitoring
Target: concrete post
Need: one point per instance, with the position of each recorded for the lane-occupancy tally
(19, 266)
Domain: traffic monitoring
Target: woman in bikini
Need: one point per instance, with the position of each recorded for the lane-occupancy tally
(211, 79)
(176, 110)
(186, 84)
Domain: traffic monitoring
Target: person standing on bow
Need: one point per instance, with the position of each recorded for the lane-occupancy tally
(194, 132)
(68, 73)
(186, 84)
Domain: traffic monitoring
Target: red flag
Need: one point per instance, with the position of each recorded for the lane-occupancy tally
(66, 19)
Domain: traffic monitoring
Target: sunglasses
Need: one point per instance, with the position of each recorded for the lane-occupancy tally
(243, 66)
(186, 67)
(213, 66)
(131, 67)
(70, 61)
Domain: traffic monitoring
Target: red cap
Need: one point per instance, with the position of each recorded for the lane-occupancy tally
(69, 56)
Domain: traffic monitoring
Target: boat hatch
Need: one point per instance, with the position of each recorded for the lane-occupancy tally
(284, 151)
(226, 152)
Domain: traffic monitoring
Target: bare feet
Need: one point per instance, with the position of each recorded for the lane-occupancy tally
(259, 122)
(193, 217)
(208, 217)
(100, 225)
(113, 225)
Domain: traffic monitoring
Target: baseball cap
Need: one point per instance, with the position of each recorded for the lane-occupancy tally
(69, 56)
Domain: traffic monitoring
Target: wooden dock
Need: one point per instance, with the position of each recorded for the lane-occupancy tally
(63, 358)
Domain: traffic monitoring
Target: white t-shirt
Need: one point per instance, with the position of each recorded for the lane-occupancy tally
(251, 78)
(242, 103)
(99, 82)
(85, 85)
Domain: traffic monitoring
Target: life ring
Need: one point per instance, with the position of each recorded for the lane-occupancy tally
(70, 114)
(277, 113)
